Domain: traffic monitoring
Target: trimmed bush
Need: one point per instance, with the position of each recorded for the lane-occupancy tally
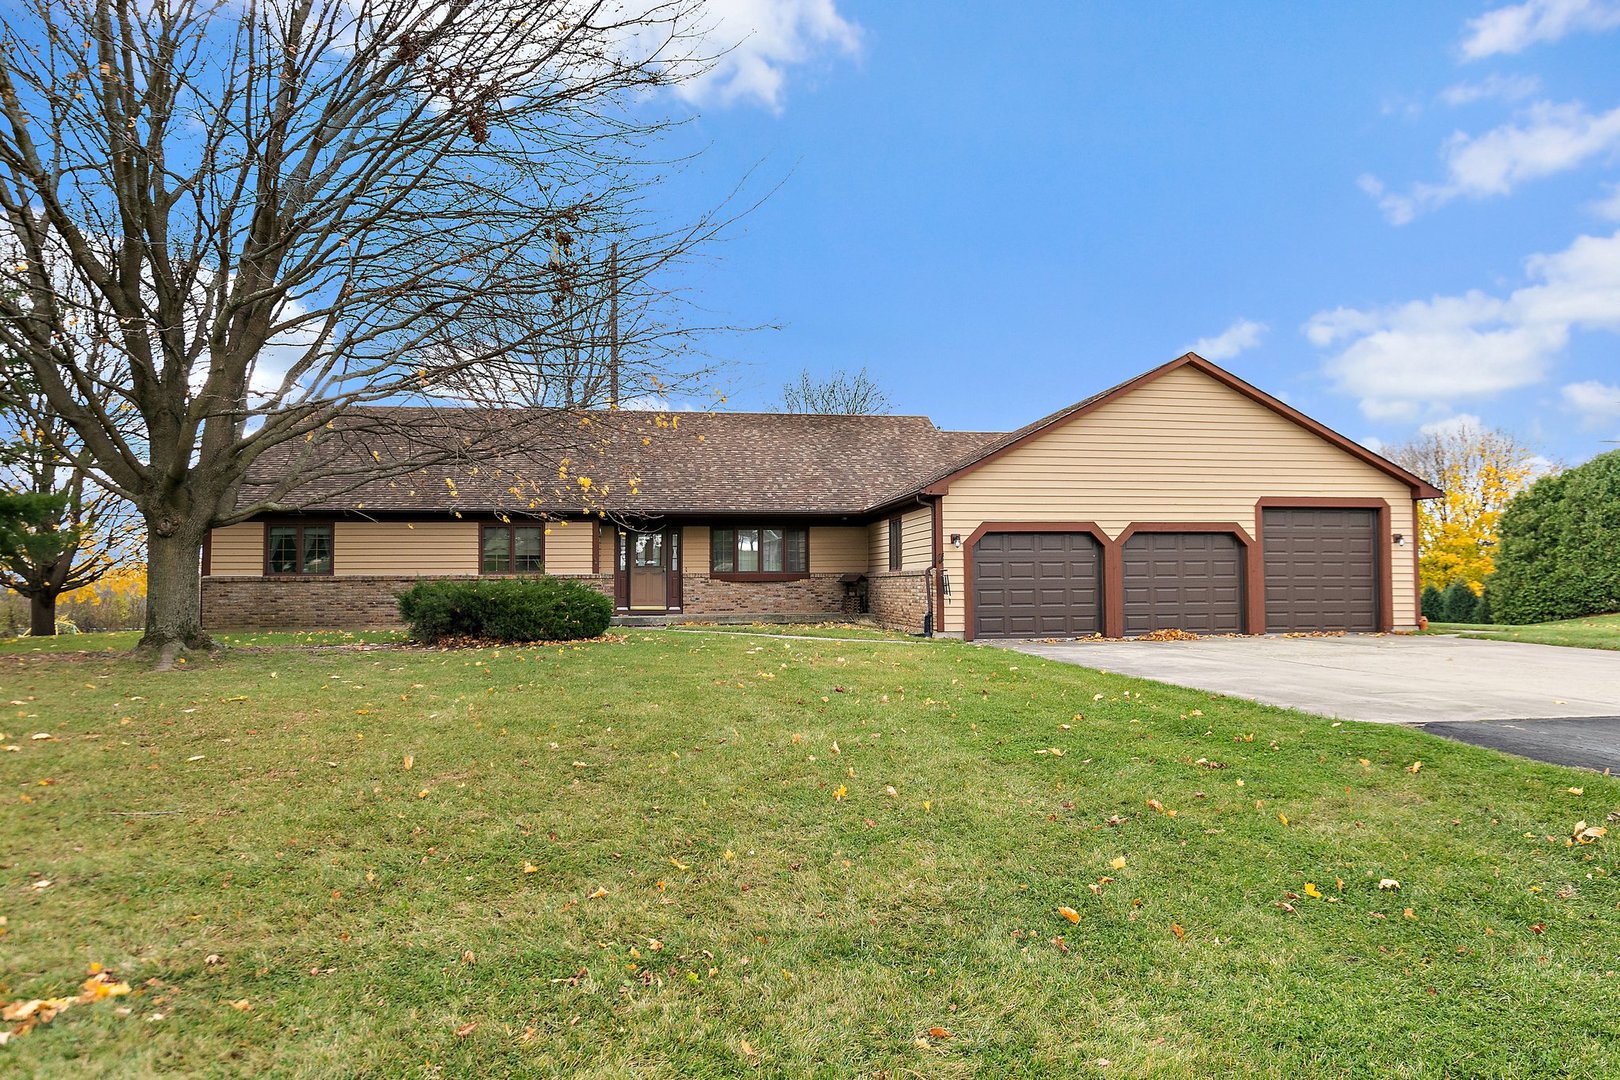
(1558, 548)
(504, 609)
(1431, 604)
(1482, 614)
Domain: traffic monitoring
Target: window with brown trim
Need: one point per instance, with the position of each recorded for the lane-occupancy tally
(298, 549)
(512, 549)
(896, 555)
(759, 551)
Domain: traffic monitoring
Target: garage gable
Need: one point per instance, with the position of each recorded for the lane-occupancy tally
(1187, 459)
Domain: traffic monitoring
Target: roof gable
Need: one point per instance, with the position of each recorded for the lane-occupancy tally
(995, 448)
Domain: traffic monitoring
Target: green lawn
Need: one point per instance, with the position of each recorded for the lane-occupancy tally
(117, 641)
(718, 890)
(862, 631)
(1594, 632)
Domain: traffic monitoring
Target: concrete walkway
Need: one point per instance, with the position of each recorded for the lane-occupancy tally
(1391, 679)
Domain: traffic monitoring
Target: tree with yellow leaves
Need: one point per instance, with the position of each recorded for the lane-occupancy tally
(1480, 469)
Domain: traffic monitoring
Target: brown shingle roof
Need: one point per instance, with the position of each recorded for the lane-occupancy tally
(646, 462)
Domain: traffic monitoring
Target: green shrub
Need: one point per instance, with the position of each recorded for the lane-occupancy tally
(1431, 604)
(1558, 548)
(1482, 613)
(504, 609)
(1458, 603)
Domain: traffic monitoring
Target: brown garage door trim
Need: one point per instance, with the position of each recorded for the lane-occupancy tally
(1111, 601)
(1254, 615)
(1383, 538)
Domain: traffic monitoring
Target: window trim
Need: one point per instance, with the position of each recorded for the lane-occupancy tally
(759, 575)
(897, 555)
(331, 529)
(511, 548)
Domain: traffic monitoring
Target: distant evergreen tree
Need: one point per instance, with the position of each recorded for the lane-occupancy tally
(1482, 613)
(1458, 603)
(1431, 604)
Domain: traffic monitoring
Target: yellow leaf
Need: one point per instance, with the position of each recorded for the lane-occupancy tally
(598, 894)
(1283, 818)
(1414, 767)
(1312, 891)
(748, 1051)
(1069, 913)
(676, 863)
(410, 760)
(1118, 863)
(1408, 913)
(840, 793)
(530, 868)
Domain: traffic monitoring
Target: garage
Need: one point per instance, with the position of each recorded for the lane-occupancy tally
(1183, 581)
(1321, 567)
(1037, 584)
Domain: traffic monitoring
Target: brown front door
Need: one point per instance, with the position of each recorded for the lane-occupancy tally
(649, 570)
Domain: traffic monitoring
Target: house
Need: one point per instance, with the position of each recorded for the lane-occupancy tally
(1183, 498)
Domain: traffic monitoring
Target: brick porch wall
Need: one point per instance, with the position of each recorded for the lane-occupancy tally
(899, 599)
(318, 603)
(819, 596)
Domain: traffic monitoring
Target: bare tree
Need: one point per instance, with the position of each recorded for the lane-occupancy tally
(274, 210)
(854, 393)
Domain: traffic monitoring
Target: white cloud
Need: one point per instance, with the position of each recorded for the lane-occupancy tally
(1543, 140)
(1425, 355)
(1516, 27)
(1452, 425)
(754, 42)
(1596, 403)
(1491, 88)
(1242, 334)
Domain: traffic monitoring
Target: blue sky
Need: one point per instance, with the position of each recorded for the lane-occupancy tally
(1390, 214)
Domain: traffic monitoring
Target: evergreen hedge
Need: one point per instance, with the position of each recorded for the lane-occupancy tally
(504, 609)
(1558, 548)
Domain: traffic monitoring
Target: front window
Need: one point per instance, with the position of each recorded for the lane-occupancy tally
(513, 549)
(299, 549)
(768, 549)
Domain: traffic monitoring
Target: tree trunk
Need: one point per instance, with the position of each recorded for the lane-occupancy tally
(174, 593)
(42, 614)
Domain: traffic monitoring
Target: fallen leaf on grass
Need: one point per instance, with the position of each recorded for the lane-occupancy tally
(530, 868)
(749, 1051)
(1414, 767)
(840, 793)
(1588, 835)
(1069, 913)
(466, 1029)
(939, 1033)
(1389, 883)
(1312, 891)
(598, 894)
(410, 760)
(1178, 930)
(1118, 863)
(241, 1005)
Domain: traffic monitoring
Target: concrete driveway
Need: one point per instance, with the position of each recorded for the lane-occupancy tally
(1394, 679)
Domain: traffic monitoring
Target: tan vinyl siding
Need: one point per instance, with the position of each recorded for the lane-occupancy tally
(1181, 448)
(404, 549)
(237, 550)
(695, 549)
(569, 546)
(916, 539)
(838, 549)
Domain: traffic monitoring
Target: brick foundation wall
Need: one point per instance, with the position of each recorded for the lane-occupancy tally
(317, 603)
(819, 596)
(899, 599)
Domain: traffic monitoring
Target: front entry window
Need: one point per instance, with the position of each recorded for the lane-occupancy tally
(649, 551)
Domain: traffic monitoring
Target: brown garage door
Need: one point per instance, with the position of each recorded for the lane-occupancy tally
(1321, 569)
(1037, 584)
(1183, 581)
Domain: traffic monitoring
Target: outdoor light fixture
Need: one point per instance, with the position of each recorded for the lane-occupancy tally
(1400, 540)
(956, 539)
